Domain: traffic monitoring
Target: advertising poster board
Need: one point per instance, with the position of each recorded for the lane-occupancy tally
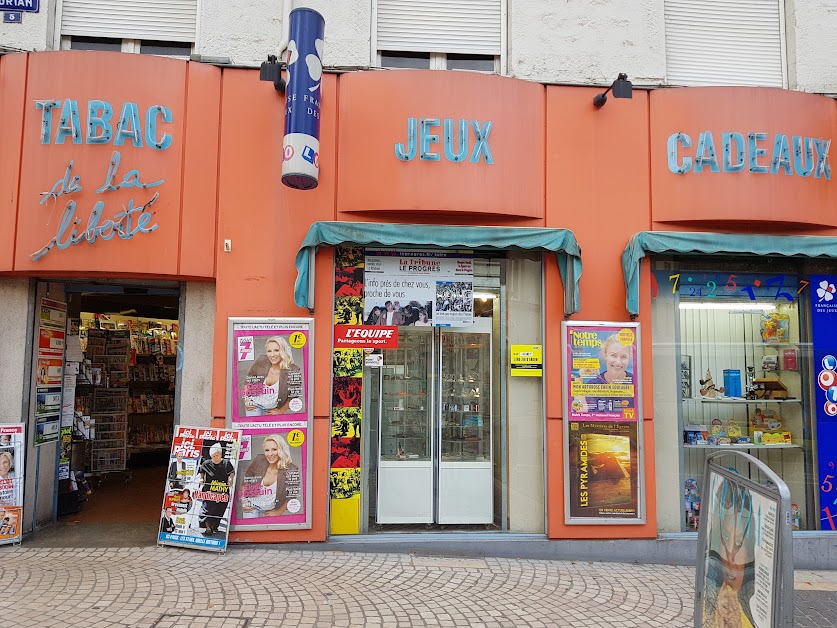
(603, 470)
(269, 398)
(49, 369)
(415, 287)
(824, 336)
(200, 488)
(745, 574)
(603, 465)
(12, 448)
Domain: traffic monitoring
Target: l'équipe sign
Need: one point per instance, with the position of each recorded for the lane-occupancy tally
(61, 122)
(365, 337)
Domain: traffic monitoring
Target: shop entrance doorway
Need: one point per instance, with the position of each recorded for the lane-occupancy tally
(122, 362)
(434, 430)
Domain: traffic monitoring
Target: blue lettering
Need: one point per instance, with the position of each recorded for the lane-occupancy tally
(68, 124)
(822, 169)
(756, 152)
(803, 156)
(128, 126)
(99, 130)
(462, 146)
(705, 153)
(428, 138)
(154, 112)
(46, 117)
(412, 144)
(64, 185)
(740, 161)
(130, 180)
(781, 155)
(675, 140)
(481, 133)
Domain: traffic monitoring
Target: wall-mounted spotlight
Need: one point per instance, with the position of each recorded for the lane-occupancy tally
(621, 87)
(271, 70)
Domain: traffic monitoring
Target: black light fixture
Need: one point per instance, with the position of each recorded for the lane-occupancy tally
(622, 88)
(271, 70)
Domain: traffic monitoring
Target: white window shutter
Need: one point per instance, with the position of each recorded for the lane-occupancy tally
(724, 42)
(458, 26)
(161, 20)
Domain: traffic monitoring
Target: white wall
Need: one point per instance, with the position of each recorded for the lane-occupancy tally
(194, 391)
(812, 45)
(248, 32)
(32, 33)
(587, 41)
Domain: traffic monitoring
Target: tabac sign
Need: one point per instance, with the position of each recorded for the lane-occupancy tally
(98, 122)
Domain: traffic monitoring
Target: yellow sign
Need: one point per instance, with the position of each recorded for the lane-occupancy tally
(297, 340)
(296, 438)
(527, 361)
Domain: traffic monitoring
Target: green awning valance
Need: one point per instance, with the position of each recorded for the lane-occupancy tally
(562, 242)
(714, 244)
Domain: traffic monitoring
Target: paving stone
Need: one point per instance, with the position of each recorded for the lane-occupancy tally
(171, 588)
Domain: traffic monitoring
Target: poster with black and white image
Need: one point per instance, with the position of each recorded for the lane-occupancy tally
(418, 288)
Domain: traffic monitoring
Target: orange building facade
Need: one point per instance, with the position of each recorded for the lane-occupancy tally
(190, 159)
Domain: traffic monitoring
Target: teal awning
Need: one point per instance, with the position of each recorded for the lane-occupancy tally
(562, 242)
(714, 244)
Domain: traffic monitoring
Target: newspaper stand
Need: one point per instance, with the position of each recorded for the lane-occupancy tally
(745, 545)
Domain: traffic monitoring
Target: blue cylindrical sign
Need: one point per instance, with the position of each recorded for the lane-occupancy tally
(301, 146)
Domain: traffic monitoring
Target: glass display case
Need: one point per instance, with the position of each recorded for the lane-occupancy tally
(406, 413)
(744, 386)
(405, 430)
(466, 476)
(465, 398)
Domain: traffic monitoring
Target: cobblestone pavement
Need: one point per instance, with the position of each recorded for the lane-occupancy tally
(174, 588)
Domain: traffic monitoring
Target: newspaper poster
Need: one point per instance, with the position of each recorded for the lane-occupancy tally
(741, 558)
(269, 373)
(601, 367)
(418, 288)
(271, 483)
(200, 488)
(12, 448)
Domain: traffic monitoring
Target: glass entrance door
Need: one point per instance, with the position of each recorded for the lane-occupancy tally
(434, 427)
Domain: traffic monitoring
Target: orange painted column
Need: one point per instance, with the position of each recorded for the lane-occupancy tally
(597, 185)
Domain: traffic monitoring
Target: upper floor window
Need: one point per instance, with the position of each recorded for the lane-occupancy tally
(144, 26)
(438, 61)
(440, 34)
(725, 42)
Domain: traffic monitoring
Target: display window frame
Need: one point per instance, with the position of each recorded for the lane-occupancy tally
(779, 357)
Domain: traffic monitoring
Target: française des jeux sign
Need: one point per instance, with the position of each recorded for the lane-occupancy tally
(61, 122)
(760, 153)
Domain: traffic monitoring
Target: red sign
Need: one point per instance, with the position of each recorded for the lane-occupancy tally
(365, 337)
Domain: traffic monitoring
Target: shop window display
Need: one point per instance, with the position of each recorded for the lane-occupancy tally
(742, 353)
